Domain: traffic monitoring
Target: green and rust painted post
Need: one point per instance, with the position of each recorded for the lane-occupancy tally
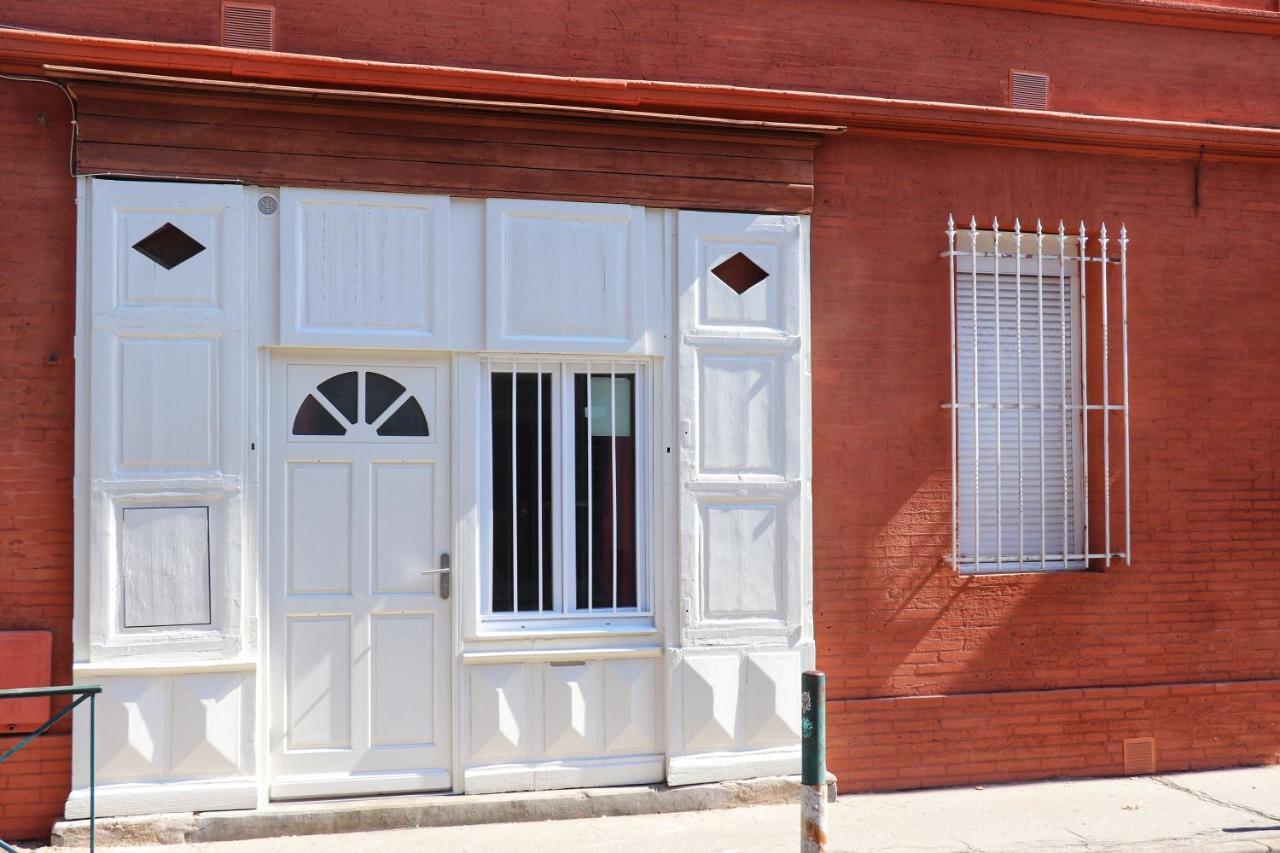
(813, 762)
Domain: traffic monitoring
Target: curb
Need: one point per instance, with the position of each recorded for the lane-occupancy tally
(410, 812)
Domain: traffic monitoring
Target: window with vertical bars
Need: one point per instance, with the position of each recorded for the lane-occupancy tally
(1040, 398)
(567, 457)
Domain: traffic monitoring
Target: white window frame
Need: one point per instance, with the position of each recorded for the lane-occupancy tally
(564, 614)
(1055, 272)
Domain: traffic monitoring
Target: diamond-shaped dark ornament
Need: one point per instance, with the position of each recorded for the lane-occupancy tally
(169, 246)
(740, 273)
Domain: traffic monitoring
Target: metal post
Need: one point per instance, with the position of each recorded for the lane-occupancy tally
(813, 762)
(93, 810)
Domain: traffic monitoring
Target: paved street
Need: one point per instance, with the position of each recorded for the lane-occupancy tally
(1231, 810)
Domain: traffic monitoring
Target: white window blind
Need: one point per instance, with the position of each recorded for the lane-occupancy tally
(1018, 465)
(1022, 417)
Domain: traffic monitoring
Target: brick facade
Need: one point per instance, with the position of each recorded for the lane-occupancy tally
(933, 678)
(37, 390)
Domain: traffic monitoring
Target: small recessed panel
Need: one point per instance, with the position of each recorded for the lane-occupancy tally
(403, 533)
(403, 679)
(739, 272)
(164, 566)
(742, 560)
(319, 512)
(741, 403)
(168, 410)
(318, 682)
(169, 246)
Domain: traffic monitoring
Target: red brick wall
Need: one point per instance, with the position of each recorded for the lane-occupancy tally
(37, 385)
(883, 744)
(1201, 601)
(33, 786)
(890, 48)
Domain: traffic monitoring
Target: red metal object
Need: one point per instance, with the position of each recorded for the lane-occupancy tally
(25, 661)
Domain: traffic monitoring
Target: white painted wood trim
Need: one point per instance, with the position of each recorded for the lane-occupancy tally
(537, 655)
(720, 766)
(135, 798)
(109, 668)
(553, 775)
(357, 784)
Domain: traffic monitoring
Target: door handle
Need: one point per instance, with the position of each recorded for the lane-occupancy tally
(444, 573)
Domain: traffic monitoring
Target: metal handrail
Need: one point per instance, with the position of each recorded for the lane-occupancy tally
(82, 692)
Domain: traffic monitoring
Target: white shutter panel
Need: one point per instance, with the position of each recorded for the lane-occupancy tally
(744, 437)
(1007, 488)
(165, 395)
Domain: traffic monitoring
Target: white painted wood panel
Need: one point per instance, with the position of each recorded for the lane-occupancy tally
(630, 699)
(558, 718)
(566, 277)
(771, 692)
(364, 269)
(403, 679)
(319, 531)
(135, 714)
(571, 707)
(710, 694)
(744, 494)
(743, 415)
(167, 741)
(162, 395)
(317, 682)
(209, 721)
(743, 548)
(403, 495)
(168, 403)
(165, 559)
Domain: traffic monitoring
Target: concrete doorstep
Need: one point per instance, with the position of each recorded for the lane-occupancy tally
(326, 817)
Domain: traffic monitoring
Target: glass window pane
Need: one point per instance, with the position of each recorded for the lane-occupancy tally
(517, 509)
(605, 490)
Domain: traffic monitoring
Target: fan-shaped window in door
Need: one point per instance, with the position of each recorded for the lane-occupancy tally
(338, 402)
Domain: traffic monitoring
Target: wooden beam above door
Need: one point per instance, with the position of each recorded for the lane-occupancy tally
(272, 135)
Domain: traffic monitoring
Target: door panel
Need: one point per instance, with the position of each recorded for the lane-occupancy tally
(360, 644)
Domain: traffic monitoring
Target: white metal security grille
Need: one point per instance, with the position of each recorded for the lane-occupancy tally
(1027, 309)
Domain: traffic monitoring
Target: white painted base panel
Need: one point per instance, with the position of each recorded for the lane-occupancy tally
(722, 766)
(554, 775)
(138, 798)
(357, 784)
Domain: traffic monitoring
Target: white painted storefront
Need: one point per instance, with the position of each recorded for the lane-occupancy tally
(325, 437)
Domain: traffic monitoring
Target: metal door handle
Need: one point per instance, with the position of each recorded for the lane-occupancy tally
(443, 571)
(444, 566)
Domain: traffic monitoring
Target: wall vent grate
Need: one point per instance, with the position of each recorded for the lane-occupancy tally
(248, 25)
(1139, 756)
(1028, 90)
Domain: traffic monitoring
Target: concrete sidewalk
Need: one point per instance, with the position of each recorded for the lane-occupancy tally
(1222, 811)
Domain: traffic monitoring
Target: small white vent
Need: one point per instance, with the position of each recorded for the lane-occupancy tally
(1139, 756)
(248, 25)
(1028, 90)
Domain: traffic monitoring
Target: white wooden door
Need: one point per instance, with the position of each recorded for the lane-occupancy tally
(359, 615)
